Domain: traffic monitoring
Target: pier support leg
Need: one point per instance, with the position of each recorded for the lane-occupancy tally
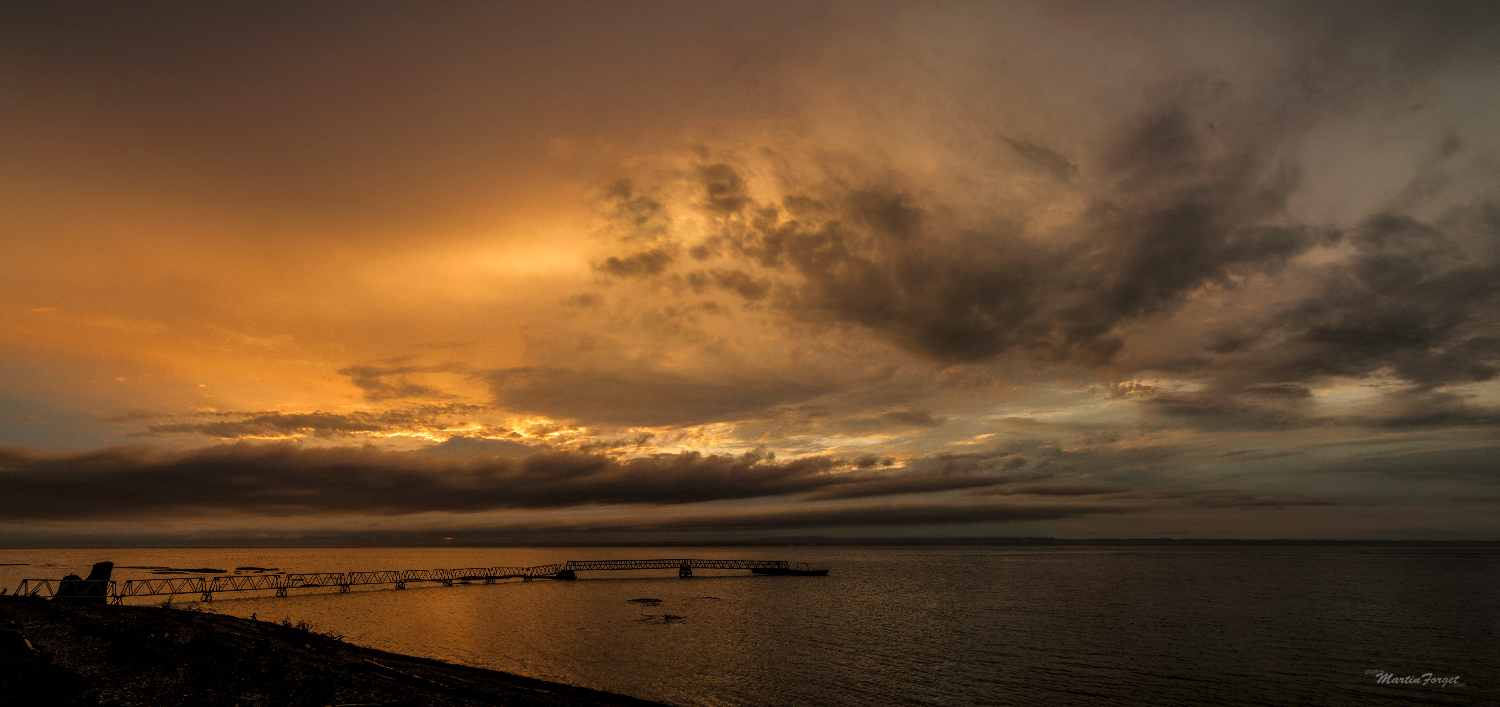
(685, 571)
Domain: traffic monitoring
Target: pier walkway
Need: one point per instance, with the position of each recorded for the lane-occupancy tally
(207, 587)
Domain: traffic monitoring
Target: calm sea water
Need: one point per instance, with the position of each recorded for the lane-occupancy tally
(920, 626)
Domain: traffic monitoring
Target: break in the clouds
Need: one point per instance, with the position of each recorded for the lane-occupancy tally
(1002, 268)
(641, 398)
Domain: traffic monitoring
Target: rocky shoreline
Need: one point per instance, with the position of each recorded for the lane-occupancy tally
(67, 653)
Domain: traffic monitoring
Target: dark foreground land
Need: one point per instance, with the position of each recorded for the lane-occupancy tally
(59, 653)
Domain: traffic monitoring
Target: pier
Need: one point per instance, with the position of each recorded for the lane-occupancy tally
(206, 587)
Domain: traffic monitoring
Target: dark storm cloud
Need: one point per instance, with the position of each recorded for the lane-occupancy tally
(1186, 195)
(1417, 407)
(914, 418)
(643, 264)
(1287, 391)
(485, 447)
(456, 476)
(737, 281)
(642, 225)
(1014, 456)
(1052, 163)
(885, 515)
(1058, 490)
(286, 480)
(640, 397)
(1230, 498)
(238, 425)
(865, 485)
(586, 300)
(390, 382)
(1198, 498)
(1190, 207)
(1413, 299)
(1416, 301)
(725, 189)
(1209, 412)
(1416, 298)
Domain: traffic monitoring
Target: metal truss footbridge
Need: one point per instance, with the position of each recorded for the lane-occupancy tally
(206, 587)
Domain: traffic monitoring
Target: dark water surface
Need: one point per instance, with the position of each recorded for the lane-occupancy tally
(921, 626)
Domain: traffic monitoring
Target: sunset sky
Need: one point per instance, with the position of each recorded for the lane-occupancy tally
(368, 271)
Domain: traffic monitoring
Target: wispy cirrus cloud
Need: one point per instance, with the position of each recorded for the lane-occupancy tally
(643, 397)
